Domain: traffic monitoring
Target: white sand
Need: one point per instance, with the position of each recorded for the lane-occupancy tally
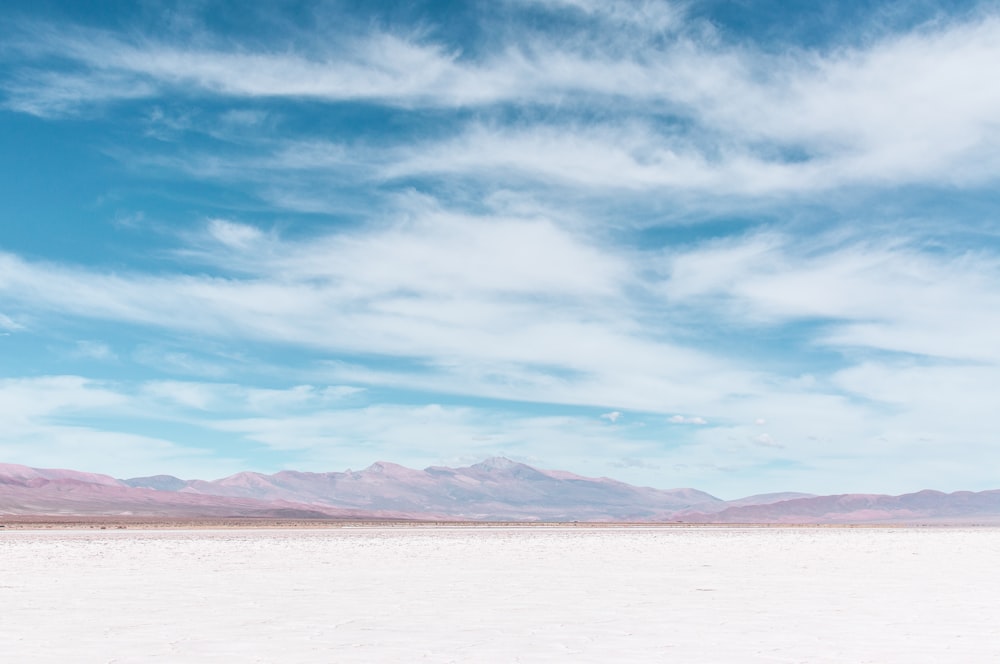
(504, 595)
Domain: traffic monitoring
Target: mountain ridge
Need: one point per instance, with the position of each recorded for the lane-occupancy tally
(496, 489)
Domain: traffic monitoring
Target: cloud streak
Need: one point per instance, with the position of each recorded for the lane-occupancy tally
(911, 108)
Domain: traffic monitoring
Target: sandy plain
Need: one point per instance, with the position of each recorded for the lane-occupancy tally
(500, 594)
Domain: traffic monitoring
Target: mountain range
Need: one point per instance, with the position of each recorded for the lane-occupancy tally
(496, 489)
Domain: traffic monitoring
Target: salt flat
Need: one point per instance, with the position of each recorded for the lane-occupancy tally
(501, 595)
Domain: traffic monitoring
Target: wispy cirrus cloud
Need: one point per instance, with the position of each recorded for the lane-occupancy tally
(95, 350)
(570, 325)
(911, 108)
(8, 324)
(60, 422)
(887, 295)
(319, 426)
(687, 419)
(509, 308)
(104, 67)
(646, 16)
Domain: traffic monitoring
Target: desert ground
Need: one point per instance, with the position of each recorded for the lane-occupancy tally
(499, 594)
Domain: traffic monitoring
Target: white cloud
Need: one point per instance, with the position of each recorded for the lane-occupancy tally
(682, 419)
(9, 325)
(56, 421)
(766, 440)
(69, 421)
(916, 107)
(648, 16)
(234, 398)
(949, 400)
(380, 66)
(831, 444)
(473, 324)
(437, 434)
(171, 360)
(886, 296)
(629, 462)
(28, 398)
(612, 417)
(233, 235)
(94, 350)
(49, 94)
(319, 427)
(515, 308)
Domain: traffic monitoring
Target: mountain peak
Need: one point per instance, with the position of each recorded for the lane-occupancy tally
(389, 470)
(158, 482)
(497, 463)
(384, 467)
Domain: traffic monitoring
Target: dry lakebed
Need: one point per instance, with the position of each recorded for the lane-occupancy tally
(499, 594)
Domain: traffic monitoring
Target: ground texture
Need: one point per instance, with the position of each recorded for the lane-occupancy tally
(500, 595)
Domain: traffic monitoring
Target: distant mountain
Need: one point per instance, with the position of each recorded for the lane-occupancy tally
(921, 507)
(11, 474)
(497, 489)
(34, 491)
(157, 482)
(750, 501)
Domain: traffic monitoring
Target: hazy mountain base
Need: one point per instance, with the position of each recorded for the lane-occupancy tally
(495, 490)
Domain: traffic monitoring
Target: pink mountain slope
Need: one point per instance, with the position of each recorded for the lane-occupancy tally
(26, 490)
(496, 489)
(14, 474)
(920, 507)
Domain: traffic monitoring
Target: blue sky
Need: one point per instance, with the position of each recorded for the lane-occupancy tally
(739, 246)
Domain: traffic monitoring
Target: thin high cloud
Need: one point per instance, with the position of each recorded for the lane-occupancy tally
(62, 421)
(445, 291)
(885, 296)
(515, 308)
(916, 107)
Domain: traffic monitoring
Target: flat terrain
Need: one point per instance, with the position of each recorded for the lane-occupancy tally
(499, 594)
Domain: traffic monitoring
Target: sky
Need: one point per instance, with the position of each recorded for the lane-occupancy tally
(744, 246)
